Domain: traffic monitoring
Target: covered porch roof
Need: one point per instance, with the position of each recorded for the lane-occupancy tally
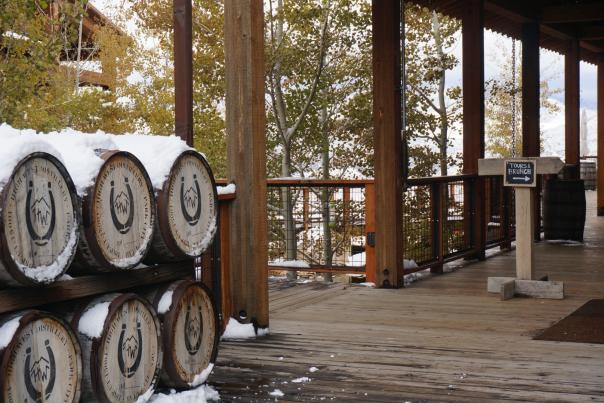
(444, 339)
(560, 21)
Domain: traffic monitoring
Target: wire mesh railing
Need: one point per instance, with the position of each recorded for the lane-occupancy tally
(316, 225)
(322, 225)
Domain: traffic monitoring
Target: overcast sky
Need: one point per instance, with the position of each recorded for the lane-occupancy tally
(552, 67)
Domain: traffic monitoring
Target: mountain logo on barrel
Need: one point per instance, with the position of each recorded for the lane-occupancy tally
(41, 372)
(121, 207)
(190, 200)
(193, 329)
(40, 215)
(132, 348)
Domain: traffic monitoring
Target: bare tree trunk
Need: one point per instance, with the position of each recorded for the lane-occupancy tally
(444, 121)
(291, 244)
(325, 196)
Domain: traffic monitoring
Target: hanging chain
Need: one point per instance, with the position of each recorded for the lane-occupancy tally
(513, 97)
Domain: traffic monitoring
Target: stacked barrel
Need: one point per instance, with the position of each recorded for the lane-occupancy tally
(116, 347)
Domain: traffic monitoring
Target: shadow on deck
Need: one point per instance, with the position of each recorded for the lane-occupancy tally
(440, 339)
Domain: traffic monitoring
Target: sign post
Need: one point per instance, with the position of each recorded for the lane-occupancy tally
(521, 174)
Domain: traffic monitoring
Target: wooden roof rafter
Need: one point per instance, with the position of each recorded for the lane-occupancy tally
(506, 17)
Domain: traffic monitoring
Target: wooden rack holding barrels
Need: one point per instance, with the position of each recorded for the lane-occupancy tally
(117, 329)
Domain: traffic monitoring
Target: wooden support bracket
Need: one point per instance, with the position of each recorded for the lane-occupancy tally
(508, 287)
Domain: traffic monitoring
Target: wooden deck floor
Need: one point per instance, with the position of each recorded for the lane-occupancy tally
(441, 339)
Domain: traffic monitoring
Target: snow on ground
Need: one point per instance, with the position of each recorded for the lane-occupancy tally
(237, 331)
(300, 264)
(277, 393)
(313, 369)
(202, 394)
(303, 379)
(92, 321)
(225, 190)
(7, 331)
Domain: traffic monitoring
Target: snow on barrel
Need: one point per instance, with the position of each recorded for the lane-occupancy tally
(121, 350)
(118, 214)
(40, 357)
(186, 195)
(190, 332)
(40, 218)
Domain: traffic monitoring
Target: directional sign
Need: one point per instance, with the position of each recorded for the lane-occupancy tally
(520, 173)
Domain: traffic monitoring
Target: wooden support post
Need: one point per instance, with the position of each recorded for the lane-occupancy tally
(183, 70)
(386, 17)
(600, 183)
(525, 258)
(245, 125)
(370, 265)
(473, 122)
(506, 215)
(531, 142)
(226, 289)
(572, 121)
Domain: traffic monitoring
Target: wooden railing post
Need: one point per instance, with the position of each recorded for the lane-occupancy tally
(438, 225)
(370, 266)
(506, 211)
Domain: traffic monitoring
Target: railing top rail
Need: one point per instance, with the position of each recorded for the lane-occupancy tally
(351, 183)
(439, 179)
(284, 182)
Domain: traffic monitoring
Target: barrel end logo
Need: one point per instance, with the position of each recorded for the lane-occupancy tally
(190, 200)
(122, 208)
(40, 214)
(43, 371)
(193, 329)
(130, 347)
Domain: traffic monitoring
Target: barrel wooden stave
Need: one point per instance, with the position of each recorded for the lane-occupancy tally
(190, 332)
(124, 362)
(39, 222)
(42, 361)
(119, 216)
(187, 206)
(564, 209)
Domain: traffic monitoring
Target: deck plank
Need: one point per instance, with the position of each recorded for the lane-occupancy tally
(441, 339)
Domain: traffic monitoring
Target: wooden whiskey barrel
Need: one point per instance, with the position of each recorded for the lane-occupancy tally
(187, 210)
(564, 210)
(118, 215)
(39, 222)
(190, 331)
(121, 350)
(40, 357)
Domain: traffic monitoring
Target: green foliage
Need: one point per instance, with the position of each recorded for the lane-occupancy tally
(500, 93)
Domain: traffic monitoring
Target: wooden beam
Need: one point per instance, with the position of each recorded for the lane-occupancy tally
(245, 124)
(525, 229)
(600, 119)
(573, 13)
(473, 121)
(572, 108)
(530, 90)
(592, 32)
(183, 70)
(386, 18)
(531, 141)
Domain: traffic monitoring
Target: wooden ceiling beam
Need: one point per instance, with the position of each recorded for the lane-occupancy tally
(573, 13)
(593, 32)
